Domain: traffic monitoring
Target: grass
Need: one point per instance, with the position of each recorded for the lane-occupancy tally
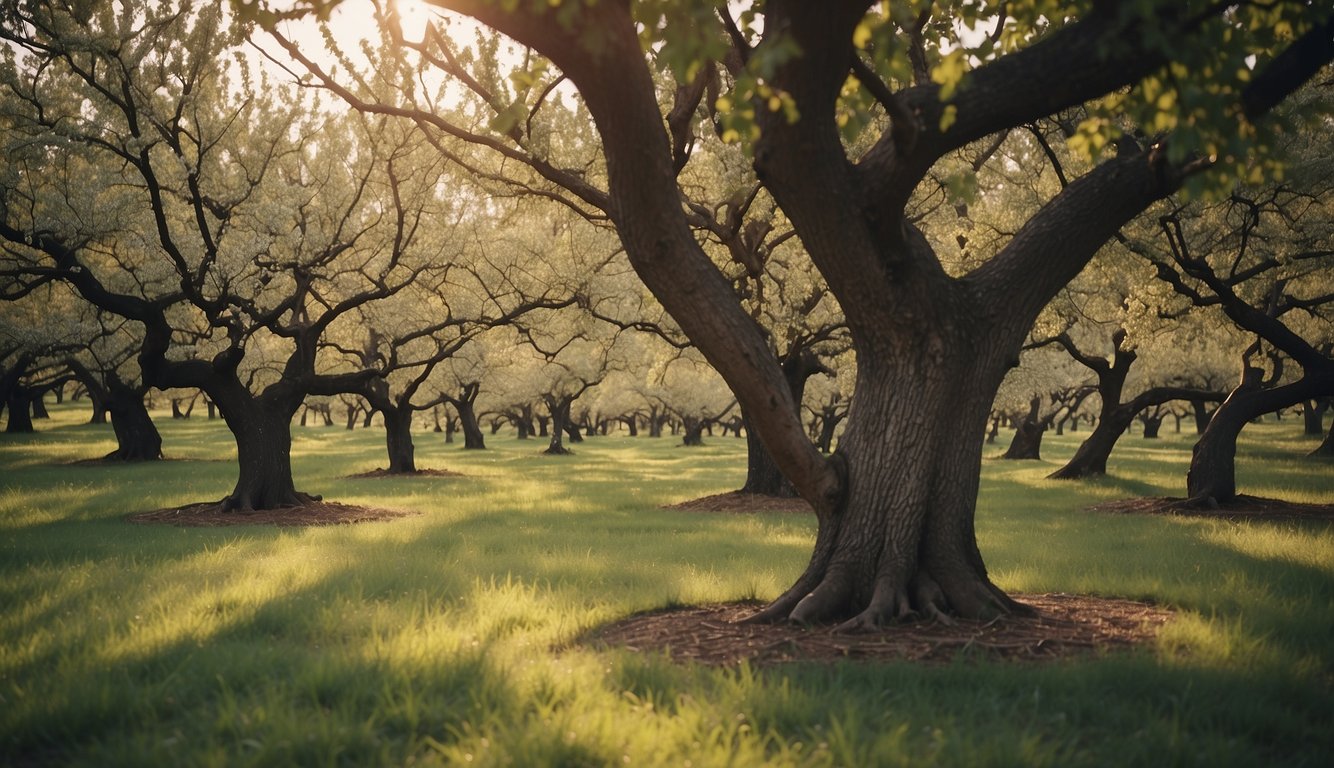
(443, 639)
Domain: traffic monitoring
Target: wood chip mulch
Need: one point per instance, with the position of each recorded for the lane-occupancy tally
(1064, 626)
(1240, 508)
(737, 502)
(381, 472)
(210, 514)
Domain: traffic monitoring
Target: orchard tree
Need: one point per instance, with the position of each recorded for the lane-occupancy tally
(896, 502)
(236, 222)
(1264, 258)
(106, 367)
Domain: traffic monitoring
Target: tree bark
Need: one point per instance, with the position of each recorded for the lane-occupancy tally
(1151, 426)
(263, 432)
(762, 473)
(137, 437)
(1212, 478)
(559, 410)
(20, 410)
(98, 402)
(1027, 442)
(398, 439)
(39, 405)
(473, 439)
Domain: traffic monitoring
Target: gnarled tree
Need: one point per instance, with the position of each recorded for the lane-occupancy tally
(896, 502)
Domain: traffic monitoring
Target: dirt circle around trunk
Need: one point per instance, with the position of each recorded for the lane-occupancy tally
(741, 503)
(212, 515)
(1063, 626)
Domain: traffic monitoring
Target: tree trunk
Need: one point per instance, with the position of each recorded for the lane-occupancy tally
(263, 432)
(1313, 417)
(902, 539)
(20, 410)
(39, 406)
(632, 424)
(473, 440)
(1027, 442)
(694, 433)
(572, 431)
(762, 473)
(100, 410)
(213, 410)
(398, 439)
(137, 438)
(1151, 426)
(1212, 478)
(1202, 415)
(560, 416)
(828, 425)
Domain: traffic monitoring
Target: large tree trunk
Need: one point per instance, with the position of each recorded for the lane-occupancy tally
(39, 406)
(262, 428)
(398, 439)
(902, 540)
(137, 438)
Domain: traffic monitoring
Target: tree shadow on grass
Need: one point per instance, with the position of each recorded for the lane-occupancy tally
(1242, 507)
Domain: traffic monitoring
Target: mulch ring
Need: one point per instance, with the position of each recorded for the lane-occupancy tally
(1240, 508)
(1064, 626)
(737, 502)
(381, 472)
(211, 514)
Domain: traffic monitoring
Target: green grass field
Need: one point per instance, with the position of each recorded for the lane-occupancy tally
(442, 639)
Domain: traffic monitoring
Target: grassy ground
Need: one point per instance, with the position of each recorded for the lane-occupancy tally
(438, 639)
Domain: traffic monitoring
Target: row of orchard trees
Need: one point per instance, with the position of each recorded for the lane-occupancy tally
(804, 188)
